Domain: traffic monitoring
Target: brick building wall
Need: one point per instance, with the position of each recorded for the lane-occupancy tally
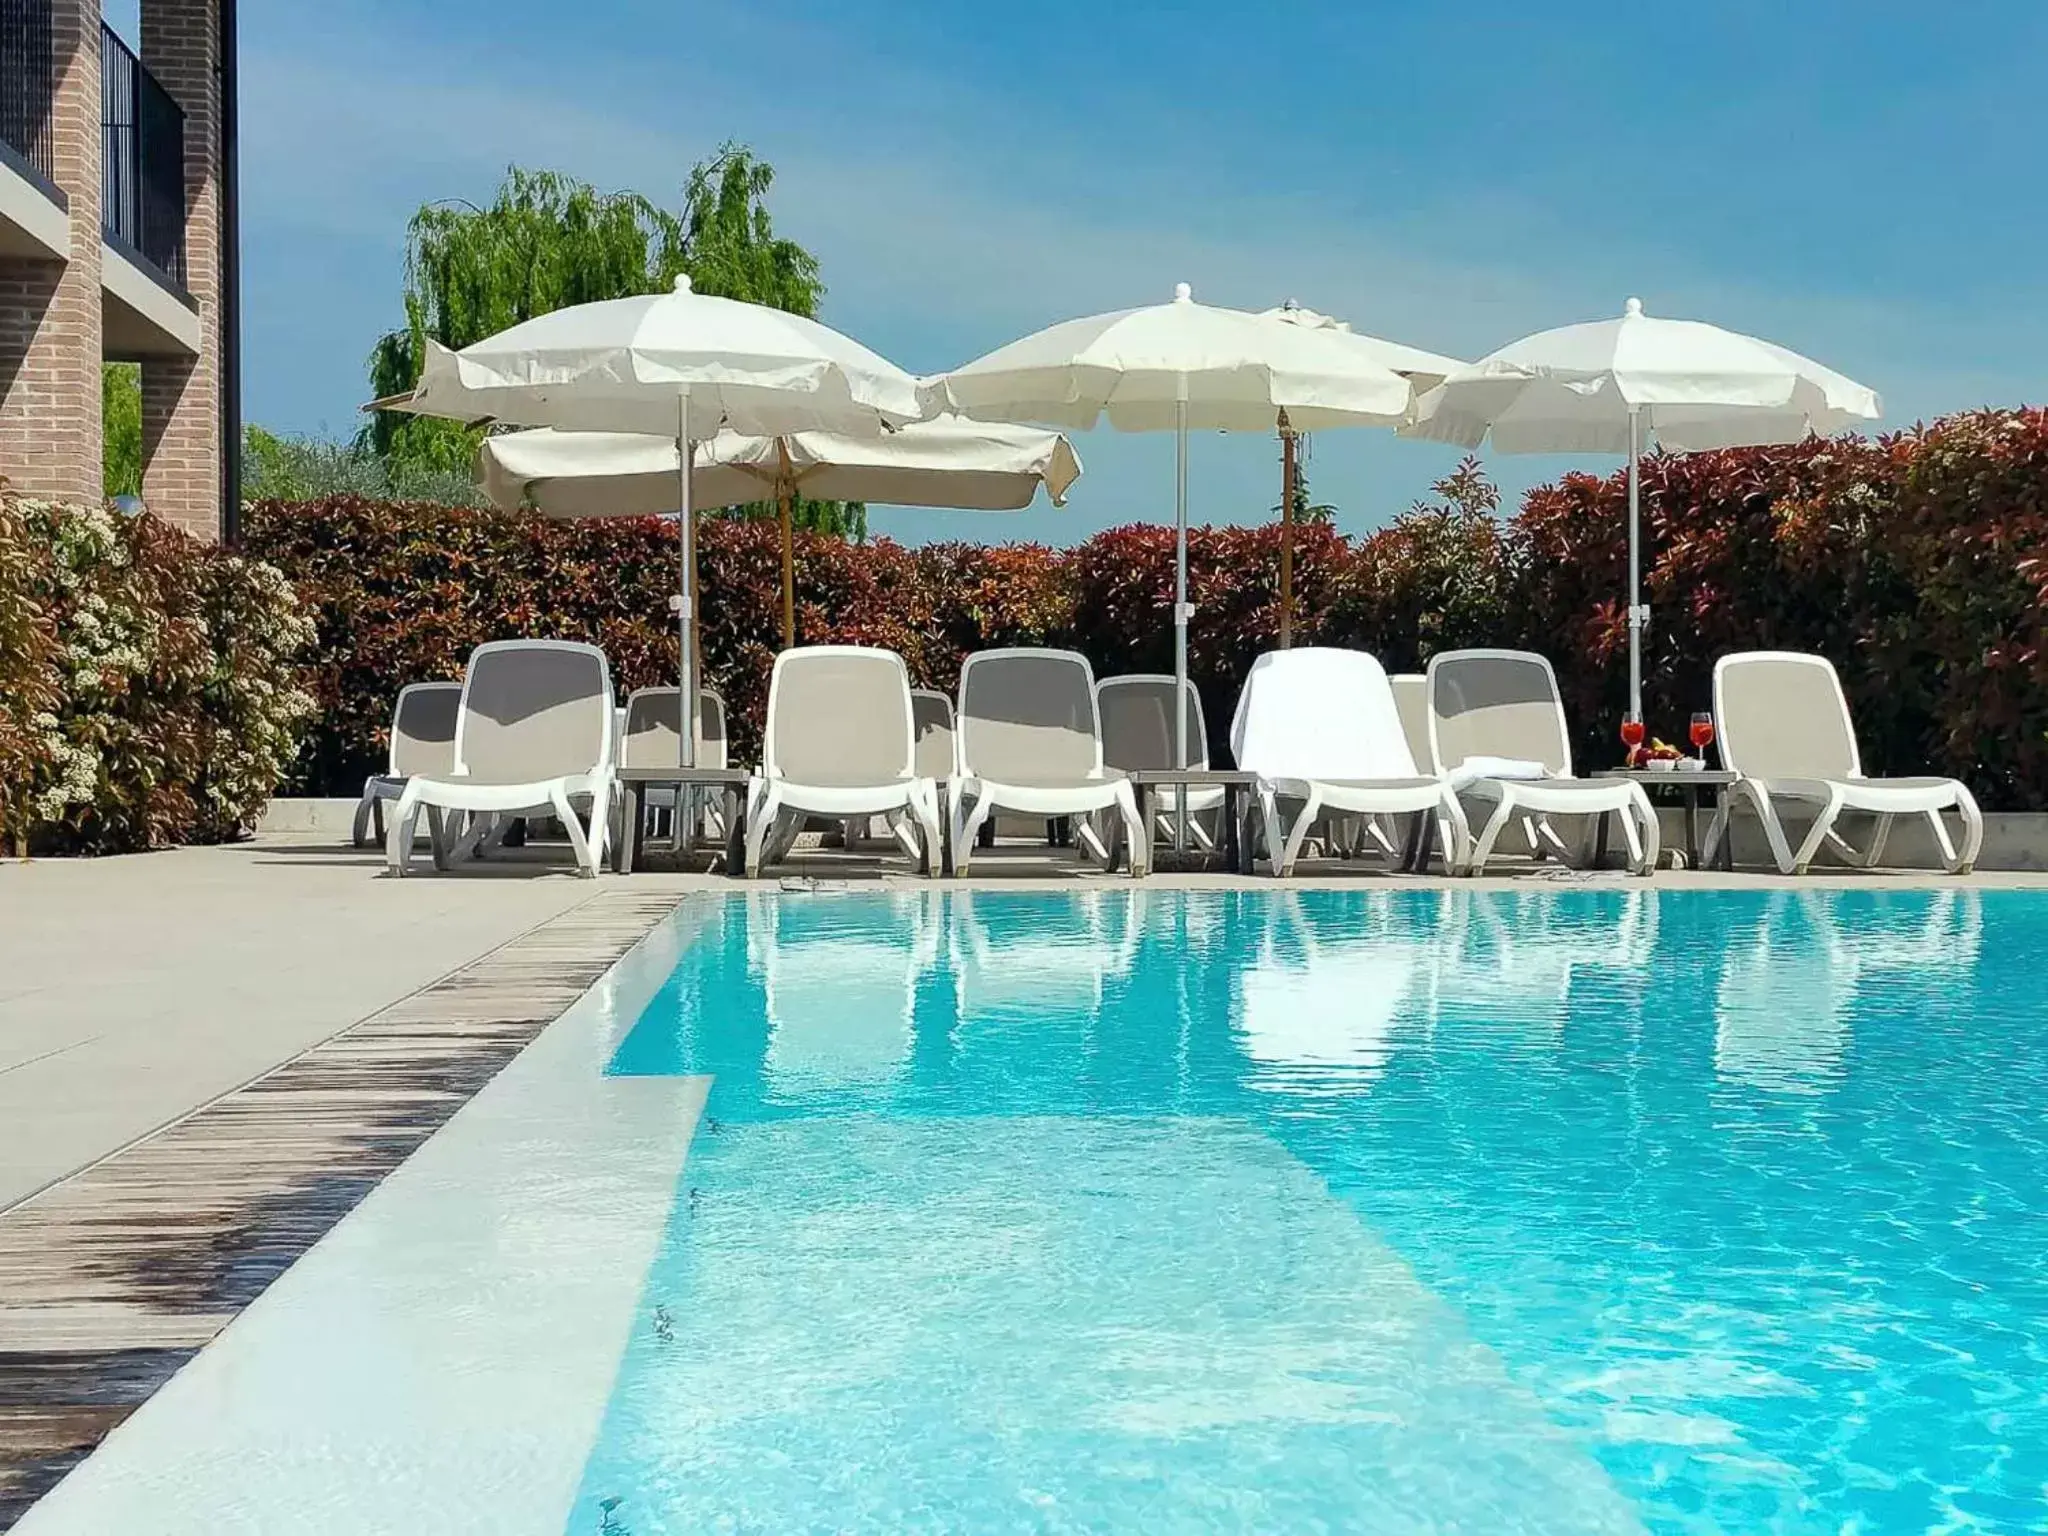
(52, 340)
(50, 440)
(181, 444)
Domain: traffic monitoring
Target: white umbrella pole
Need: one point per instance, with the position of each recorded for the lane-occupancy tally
(1636, 614)
(1181, 608)
(685, 617)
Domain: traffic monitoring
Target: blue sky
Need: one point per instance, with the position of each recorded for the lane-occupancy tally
(1859, 182)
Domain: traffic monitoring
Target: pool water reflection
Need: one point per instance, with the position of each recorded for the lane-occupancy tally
(1580, 1209)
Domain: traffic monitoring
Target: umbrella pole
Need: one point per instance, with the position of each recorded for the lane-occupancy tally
(1636, 614)
(686, 604)
(785, 489)
(1182, 609)
(1287, 472)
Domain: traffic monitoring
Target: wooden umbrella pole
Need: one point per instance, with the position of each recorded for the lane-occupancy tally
(785, 493)
(1286, 533)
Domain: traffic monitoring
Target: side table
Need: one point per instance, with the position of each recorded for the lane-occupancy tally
(1691, 785)
(731, 784)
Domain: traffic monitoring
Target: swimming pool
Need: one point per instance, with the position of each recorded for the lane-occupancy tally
(1574, 1210)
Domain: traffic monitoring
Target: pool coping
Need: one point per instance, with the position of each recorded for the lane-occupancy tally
(117, 1276)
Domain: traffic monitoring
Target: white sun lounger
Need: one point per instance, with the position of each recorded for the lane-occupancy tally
(535, 729)
(1320, 729)
(1027, 738)
(1411, 699)
(932, 713)
(1137, 733)
(1782, 724)
(422, 741)
(1489, 708)
(651, 737)
(841, 741)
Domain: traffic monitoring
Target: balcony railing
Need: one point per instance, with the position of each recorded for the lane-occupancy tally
(28, 79)
(142, 179)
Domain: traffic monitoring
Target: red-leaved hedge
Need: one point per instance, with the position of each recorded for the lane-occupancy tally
(1917, 562)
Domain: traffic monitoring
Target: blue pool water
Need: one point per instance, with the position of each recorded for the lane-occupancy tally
(1569, 1210)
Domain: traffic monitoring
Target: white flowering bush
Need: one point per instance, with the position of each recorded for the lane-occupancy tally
(149, 692)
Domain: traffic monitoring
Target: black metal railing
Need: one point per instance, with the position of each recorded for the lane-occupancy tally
(28, 81)
(142, 179)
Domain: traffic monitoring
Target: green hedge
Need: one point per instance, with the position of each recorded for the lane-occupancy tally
(148, 682)
(1918, 563)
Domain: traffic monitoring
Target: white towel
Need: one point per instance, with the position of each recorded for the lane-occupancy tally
(1475, 768)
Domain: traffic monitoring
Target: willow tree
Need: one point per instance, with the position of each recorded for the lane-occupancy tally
(547, 241)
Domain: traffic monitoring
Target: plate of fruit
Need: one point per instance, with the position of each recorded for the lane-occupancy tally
(1654, 755)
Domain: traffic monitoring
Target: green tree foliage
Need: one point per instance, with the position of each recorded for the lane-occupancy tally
(280, 467)
(121, 411)
(1305, 510)
(847, 519)
(547, 241)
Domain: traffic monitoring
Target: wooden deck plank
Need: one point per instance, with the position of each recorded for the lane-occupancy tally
(112, 1279)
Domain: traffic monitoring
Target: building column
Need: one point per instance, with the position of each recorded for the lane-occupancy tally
(50, 438)
(181, 446)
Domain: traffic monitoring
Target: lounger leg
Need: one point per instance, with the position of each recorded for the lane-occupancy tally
(601, 802)
(1535, 842)
(924, 807)
(1716, 830)
(1307, 819)
(1883, 831)
(1489, 835)
(1639, 827)
(368, 806)
(1973, 831)
(1134, 829)
(1088, 839)
(579, 842)
(398, 839)
(1823, 826)
(1455, 834)
(1774, 830)
(761, 817)
(970, 813)
(1269, 824)
(441, 837)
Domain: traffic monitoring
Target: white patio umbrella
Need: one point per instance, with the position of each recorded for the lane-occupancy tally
(1423, 370)
(947, 462)
(1603, 386)
(1171, 367)
(679, 365)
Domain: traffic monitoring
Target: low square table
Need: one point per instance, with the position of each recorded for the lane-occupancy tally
(730, 782)
(1691, 784)
(1236, 785)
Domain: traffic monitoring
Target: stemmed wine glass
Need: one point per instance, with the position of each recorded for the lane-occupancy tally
(1702, 734)
(1631, 735)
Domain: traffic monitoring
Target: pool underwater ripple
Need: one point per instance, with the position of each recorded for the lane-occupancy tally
(1590, 1209)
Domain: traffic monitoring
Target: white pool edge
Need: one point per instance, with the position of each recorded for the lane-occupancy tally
(441, 1359)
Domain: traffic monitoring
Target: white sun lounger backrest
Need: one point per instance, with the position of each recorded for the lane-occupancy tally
(1319, 713)
(1411, 698)
(1782, 715)
(653, 731)
(1137, 722)
(1503, 704)
(839, 715)
(932, 713)
(535, 710)
(1027, 716)
(423, 730)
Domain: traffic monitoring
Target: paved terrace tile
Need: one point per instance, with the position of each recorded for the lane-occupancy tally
(113, 1278)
